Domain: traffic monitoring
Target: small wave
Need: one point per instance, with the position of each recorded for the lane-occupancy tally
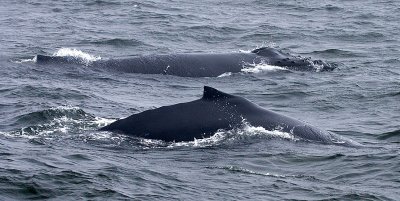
(53, 113)
(263, 45)
(213, 28)
(102, 3)
(389, 135)
(237, 169)
(336, 52)
(58, 120)
(389, 94)
(118, 42)
(241, 170)
(330, 7)
(84, 57)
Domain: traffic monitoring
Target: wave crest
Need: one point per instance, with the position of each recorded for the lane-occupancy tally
(61, 120)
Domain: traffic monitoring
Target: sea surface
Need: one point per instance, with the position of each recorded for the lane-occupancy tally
(51, 149)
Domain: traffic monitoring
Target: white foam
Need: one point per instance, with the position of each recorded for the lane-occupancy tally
(245, 51)
(65, 107)
(215, 139)
(317, 67)
(247, 171)
(261, 67)
(101, 136)
(24, 60)
(102, 121)
(252, 131)
(86, 58)
(227, 74)
(247, 131)
(22, 135)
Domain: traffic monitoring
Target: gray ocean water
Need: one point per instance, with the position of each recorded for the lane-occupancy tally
(49, 114)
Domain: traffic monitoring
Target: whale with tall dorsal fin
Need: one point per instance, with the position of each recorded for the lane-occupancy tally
(216, 110)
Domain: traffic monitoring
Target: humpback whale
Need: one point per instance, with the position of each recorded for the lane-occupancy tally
(197, 64)
(215, 110)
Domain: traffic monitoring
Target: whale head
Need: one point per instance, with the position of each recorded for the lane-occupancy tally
(279, 58)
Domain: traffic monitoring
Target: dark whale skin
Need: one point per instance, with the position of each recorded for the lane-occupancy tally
(197, 64)
(215, 110)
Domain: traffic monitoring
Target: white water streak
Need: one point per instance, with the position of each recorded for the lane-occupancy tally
(86, 58)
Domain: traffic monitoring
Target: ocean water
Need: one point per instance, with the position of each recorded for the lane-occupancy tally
(49, 114)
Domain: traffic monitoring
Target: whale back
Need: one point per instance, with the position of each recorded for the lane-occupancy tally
(194, 64)
(184, 121)
(186, 65)
(203, 117)
(58, 59)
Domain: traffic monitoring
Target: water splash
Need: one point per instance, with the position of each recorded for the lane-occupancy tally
(227, 74)
(18, 61)
(244, 133)
(84, 57)
(261, 67)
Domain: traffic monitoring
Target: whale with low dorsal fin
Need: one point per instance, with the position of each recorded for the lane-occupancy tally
(196, 64)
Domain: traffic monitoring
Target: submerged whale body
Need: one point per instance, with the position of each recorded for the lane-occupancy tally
(215, 110)
(198, 65)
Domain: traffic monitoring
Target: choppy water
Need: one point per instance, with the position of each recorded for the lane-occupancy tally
(51, 149)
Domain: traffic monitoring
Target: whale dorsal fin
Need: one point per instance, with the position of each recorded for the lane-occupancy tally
(211, 93)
